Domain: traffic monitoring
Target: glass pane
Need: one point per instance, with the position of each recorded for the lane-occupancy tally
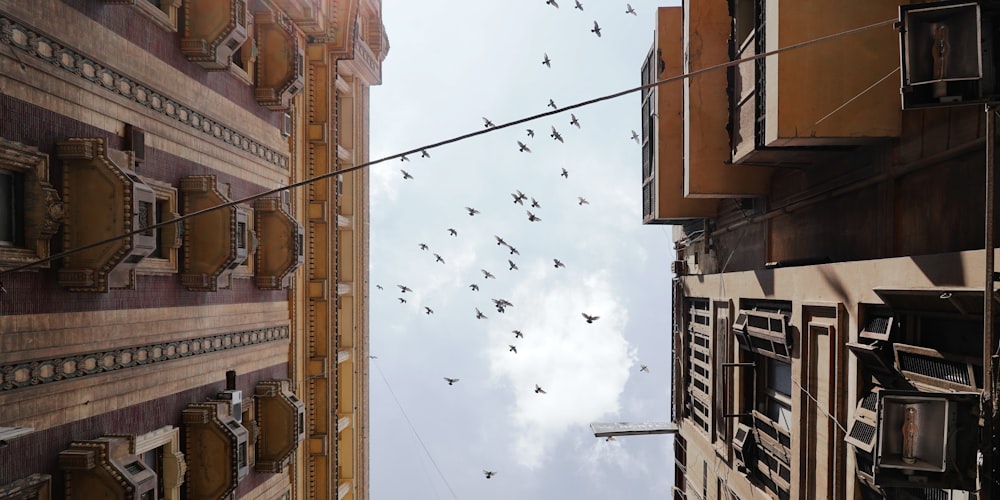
(779, 376)
(6, 208)
(779, 413)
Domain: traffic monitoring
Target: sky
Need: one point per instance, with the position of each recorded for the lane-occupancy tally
(450, 64)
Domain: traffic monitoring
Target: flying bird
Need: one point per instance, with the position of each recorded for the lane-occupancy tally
(556, 135)
(379, 287)
(474, 287)
(487, 123)
(423, 246)
(552, 3)
(558, 263)
(404, 288)
(539, 390)
(589, 318)
(519, 197)
(535, 204)
(424, 153)
(573, 120)
(488, 274)
(644, 368)
(552, 104)
(513, 251)
(479, 314)
(489, 473)
(512, 348)
(513, 266)
(546, 61)
(451, 381)
(401, 300)
(452, 232)
(522, 147)
(578, 5)
(406, 175)
(630, 10)
(500, 240)
(501, 304)
(403, 158)
(565, 173)
(531, 133)
(583, 201)
(518, 334)
(437, 258)
(635, 137)
(532, 217)
(429, 310)
(596, 30)
(610, 438)
(472, 211)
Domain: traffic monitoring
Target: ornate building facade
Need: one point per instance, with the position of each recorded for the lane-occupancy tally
(222, 355)
(834, 307)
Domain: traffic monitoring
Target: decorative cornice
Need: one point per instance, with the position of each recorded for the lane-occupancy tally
(25, 41)
(16, 376)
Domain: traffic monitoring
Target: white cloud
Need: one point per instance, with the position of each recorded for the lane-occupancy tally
(583, 367)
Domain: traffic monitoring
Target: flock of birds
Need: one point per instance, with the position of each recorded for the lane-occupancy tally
(501, 304)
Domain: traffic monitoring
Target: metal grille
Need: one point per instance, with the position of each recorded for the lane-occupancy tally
(145, 216)
(134, 468)
(759, 73)
(949, 371)
(862, 432)
(936, 494)
(878, 325)
(647, 198)
(870, 401)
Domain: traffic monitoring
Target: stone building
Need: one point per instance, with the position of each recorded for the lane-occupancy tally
(829, 202)
(221, 355)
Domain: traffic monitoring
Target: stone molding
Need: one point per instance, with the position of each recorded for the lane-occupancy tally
(34, 373)
(22, 40)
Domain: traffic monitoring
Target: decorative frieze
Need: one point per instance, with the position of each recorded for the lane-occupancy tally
(24, 41)
(33, 373)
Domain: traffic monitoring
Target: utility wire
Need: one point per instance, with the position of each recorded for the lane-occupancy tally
(415, 433)
(445, 142)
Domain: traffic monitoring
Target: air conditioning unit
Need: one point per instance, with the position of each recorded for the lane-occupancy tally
(744, 447)
(235, 399)
(286, 125)
(941, 48)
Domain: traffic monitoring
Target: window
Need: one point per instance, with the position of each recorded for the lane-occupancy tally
(30, 208)
(160, 451)
(163, 259)
(11, 208)
(699, 363)
(161, 12)
(777, 392)
(765, 339)
(244, 59)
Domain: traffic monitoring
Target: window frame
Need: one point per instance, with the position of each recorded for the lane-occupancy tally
(168, 262)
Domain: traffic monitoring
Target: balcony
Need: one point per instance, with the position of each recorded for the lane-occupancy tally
(215, 445)
(662, 130)
(105, 468)
(708, 172)
(213, 31)
(280, 61)
(216, 242)
(281, 244)
(805, 105)
(281, 416)
(103, 199)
